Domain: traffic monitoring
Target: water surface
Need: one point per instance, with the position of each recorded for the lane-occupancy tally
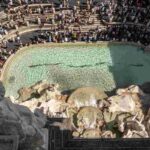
(105, 66)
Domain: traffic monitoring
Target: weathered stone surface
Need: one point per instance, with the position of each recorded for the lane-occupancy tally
(2, 91)
(40, 118)
(25, 94)
(134, 89)
(52, 107)
(38, 93)
(88, 113)
(19, 120)
(31, 104)
(136, 134)
(108, 134)
(108, 116)
(45, 97)
(9, 142)
(40, 86)
(46, 138)
(66, 124)
(124, 103)
(147, 122)
(121, 103)
(89, 117)
(91, 133)
(86, 96)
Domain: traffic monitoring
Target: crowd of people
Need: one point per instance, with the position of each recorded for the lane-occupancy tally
(21, 2)
(124, 22)
(49, 15)
(123, 33)
(125, 11)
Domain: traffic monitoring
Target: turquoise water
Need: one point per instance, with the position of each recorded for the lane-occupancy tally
(105, 66)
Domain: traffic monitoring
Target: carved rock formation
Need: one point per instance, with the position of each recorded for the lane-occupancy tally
(20, 121)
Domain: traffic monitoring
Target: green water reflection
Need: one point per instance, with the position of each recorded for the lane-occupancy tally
(105, 66)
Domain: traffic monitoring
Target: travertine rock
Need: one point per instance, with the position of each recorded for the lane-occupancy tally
(147, 122)
(90, 117)
(108, 134)
(86, 96)
(31, 104)
(52, 107)
(123, 103)
(46, 97)
(19, 120)
(65, 125)
(25, 94)
(42, 90)
(91, 133)
(134, 89)
(88, 113)
(136, 134)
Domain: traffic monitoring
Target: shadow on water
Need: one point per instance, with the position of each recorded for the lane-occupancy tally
(125, 67)
(125, 70)
(68, 92)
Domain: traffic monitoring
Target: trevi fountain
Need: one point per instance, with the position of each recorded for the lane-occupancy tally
(98, 90)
